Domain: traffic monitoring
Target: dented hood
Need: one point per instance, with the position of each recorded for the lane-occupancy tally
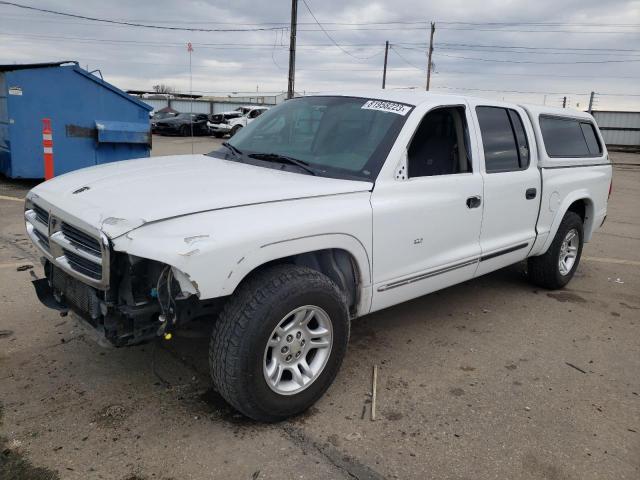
(121, 196)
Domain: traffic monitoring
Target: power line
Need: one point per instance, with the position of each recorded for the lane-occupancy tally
(528, 47)
(539, 31)
(527, 52)
(134, 24)
(539, 63)
(448, 72)
(511, 91)
(535, 52)
(404, 59)
(546, 24)
(331, 38)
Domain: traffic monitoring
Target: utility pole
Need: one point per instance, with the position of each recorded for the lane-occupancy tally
(591, 102)
(433, 30)
(384, 72)
(564, 102)
(292, 49)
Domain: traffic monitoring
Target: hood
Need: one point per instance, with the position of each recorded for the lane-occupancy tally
(121, 196)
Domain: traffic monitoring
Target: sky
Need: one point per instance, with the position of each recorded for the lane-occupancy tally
(515, 50)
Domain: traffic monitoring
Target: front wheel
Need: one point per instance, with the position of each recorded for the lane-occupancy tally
(235, 130)
(279, 342)
(557, 266)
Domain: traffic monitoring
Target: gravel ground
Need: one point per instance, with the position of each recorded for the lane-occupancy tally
(492, 378)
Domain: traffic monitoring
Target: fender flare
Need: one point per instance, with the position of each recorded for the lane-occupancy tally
(574, 196)
(294, 246)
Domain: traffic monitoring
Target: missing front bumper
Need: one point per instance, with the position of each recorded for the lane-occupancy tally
(121, 325)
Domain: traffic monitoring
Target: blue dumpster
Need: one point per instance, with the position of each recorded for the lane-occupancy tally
(92, 121)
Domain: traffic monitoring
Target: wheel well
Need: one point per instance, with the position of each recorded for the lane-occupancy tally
(337, 264)
(584, 209)
(579, 208)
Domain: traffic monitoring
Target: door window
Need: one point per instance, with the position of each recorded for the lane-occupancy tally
(503, 139)
(440, 145)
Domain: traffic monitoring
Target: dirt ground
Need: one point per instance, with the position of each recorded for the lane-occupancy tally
(491, 379)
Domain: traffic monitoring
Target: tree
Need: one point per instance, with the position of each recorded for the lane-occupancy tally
(162, 88)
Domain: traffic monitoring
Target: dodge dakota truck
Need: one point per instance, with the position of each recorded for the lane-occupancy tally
(323, 209)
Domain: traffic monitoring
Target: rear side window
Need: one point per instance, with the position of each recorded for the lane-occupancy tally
(569, 137)
(589, 133)
(503, 138)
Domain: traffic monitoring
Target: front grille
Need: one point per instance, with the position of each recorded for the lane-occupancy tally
(80, 239)
(42, 237)
(76, 294)
(78, 253)
(82, 265)
(41, 215)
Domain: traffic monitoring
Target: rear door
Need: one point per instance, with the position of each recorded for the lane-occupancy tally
(511, 185)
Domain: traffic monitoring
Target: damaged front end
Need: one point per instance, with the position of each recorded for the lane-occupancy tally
(127, 299)
(144, 301)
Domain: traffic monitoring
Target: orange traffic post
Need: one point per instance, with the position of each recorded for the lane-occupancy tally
(47, 144)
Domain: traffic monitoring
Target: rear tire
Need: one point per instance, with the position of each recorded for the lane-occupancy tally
(218, 135)
(277, 319)
(557, 266)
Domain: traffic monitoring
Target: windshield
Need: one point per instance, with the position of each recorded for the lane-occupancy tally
(342, 137)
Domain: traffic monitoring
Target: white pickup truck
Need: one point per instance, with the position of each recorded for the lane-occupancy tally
(228, 123)
(324, 209)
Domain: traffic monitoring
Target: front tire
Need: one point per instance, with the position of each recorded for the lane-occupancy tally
(556, 267)
(235, 130)
(279, 342)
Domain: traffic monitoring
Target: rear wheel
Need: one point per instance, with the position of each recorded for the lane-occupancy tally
(557, 266)
(279, 342)
(218, 134)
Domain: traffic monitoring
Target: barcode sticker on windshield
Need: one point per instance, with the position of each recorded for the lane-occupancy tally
(392, 107)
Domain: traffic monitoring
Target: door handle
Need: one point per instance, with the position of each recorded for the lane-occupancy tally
(474, 202)
(530, 193)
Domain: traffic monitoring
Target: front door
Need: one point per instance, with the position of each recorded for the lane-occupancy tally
(426, 221)
(511, 186)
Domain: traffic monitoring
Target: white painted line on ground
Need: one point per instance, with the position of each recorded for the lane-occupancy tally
(12, 199)
(616, 261)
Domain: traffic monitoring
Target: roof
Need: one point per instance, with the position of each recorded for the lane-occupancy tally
(26, 66)
(76, 67)
(417, 97)
(161, 95)
(411, 97)
(557, 111)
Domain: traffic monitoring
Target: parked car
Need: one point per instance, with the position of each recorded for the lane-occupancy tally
(157, 116)
(324, 209)
(182, 124)
(218, 123)
(248, 115)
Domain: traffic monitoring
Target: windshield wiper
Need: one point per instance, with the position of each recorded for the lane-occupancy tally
(232, 148)
(276, 157)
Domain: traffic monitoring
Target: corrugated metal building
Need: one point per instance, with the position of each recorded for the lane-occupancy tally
(209, 105)
(619, 129)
